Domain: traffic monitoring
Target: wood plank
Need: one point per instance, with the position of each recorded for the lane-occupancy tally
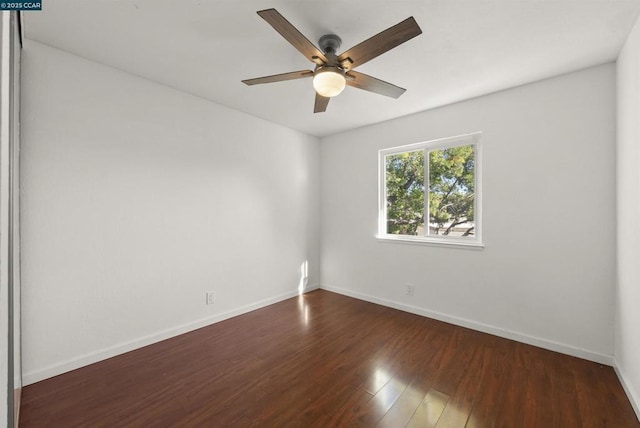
(429, 411)
(343, 413)
(460, 404)
(492, 390)
(405, 406)
(512, 411)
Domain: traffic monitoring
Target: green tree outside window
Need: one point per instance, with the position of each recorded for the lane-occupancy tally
(451, 190)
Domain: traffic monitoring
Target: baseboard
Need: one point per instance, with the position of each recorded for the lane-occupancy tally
(633, 396)
(485, 328)
(94, 357)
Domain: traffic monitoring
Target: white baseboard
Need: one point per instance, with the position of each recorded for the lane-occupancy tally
(485, 328)
(94, 357)
(633, 396)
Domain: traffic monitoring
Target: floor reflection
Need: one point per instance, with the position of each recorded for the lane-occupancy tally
(415, 404)
(380, 378)
(304, 310)
(431, 408)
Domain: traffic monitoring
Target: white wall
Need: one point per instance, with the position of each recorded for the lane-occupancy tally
(137, 199)
(547, 273)
(628, 294)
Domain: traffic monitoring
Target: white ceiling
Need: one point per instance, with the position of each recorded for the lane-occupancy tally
(468, 48)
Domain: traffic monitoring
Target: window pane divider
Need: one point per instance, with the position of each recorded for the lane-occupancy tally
(427, 193)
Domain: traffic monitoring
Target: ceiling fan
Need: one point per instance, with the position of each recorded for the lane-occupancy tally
(332, 71)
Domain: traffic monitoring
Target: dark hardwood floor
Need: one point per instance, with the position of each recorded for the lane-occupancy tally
(325, 360)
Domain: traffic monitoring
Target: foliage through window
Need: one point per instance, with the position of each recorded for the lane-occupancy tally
(436, 182)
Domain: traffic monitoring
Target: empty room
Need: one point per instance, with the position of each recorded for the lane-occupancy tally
(418, 213)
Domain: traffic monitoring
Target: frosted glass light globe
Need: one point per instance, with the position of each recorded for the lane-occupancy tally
(328, 82)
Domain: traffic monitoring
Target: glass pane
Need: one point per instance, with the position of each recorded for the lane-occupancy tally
(405, 193)
(452, 191)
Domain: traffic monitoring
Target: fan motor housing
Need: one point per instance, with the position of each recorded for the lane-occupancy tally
(330, 43)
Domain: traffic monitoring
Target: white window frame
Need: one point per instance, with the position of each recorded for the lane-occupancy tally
(439, 144)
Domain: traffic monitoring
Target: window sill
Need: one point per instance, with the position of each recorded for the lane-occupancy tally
(417, 240)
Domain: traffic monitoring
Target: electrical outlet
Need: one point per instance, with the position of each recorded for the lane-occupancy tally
(211, 298)
(410, 289)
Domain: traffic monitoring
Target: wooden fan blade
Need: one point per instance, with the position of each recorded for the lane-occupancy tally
(293, 36)
(368, 83)
(380, 43)
(279, 77)
(321, 103)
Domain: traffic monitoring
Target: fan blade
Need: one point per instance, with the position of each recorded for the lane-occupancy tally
(321, 103)
(279, 77)
(380, 43)
(293, 36)
(368, 83)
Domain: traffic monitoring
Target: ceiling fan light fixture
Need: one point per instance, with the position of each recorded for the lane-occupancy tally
(329, 81)
(332, 71)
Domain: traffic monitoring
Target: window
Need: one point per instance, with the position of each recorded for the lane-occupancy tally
(437, 182)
